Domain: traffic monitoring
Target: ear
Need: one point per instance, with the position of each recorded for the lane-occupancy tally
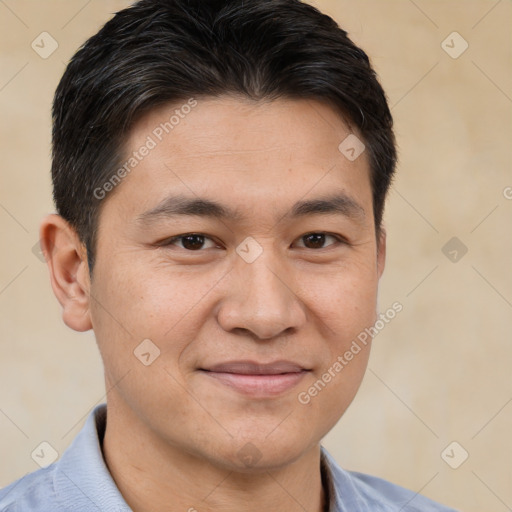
(66, 257)
(381, 252)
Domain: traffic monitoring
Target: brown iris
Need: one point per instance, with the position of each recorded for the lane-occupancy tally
(314, 240)
(192, 242)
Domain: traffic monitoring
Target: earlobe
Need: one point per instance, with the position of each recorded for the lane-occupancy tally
(67, 263)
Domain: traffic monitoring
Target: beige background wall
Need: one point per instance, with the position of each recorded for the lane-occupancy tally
(439, 372)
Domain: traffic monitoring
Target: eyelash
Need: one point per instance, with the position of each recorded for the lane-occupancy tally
(339, 240)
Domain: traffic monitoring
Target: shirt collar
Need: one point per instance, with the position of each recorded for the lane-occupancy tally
(82, 479)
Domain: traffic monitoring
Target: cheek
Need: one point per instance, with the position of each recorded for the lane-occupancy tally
(331, 389)
(345, 301)
(143, 301)
(136, 303)
(143, 324)
(345, 304)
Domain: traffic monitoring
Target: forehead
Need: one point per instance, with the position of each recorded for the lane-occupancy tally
(240, 149)
(234, 123)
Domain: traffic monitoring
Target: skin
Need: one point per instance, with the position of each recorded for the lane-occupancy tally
(175, 436)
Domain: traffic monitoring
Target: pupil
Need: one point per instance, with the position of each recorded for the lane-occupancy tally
(193, 242)
(316, 240)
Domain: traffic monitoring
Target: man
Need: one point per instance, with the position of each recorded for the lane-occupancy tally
(220, 170)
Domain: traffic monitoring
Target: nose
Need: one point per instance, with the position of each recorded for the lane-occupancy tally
(261, 300)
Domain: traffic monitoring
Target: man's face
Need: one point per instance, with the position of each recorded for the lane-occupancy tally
(245, 327)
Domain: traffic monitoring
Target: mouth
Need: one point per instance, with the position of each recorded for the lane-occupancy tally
(257, 379)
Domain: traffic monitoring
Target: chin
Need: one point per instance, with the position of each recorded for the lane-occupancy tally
(264, 452)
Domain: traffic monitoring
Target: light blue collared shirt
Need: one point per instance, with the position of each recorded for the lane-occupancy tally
(80, 482)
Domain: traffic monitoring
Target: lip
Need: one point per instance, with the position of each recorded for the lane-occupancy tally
(255, 378)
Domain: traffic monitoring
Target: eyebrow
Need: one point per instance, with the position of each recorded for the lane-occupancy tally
(179, 205)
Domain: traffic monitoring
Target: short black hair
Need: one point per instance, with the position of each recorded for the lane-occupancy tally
(156, 52)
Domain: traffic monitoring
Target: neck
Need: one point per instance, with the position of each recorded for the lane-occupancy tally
(154, 476)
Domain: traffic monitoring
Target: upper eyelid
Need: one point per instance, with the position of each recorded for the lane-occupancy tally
(170, 240)
(339, 238)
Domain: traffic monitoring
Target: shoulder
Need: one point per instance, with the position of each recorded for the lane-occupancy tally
(77, 482)
(30, 492)
(360, 492)
(393, 497)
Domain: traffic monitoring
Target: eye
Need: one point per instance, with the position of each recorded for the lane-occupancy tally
(191, 242)
(318, 240)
